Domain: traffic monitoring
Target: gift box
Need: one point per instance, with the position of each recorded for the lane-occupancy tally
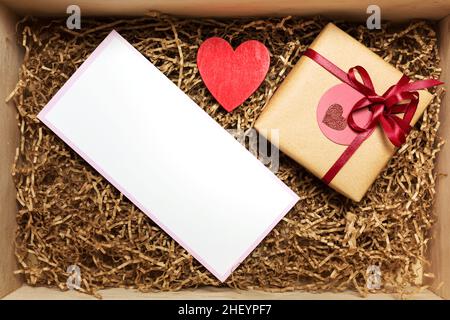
(311, 109)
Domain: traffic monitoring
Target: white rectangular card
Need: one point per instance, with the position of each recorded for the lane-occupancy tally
(165, 154)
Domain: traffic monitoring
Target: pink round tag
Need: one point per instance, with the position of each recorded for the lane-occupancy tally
(333, 110)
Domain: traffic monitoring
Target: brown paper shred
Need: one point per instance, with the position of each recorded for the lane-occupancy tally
(70, 215)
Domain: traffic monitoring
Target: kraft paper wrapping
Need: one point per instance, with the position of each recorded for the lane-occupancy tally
(292, 110)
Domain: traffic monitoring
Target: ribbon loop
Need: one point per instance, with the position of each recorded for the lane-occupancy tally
(384, 107)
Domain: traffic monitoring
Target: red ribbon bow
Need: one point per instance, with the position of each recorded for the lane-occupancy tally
(401, 98)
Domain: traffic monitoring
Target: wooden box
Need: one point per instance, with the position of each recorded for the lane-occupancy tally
(13, 287)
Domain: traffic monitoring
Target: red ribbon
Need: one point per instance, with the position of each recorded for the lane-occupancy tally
(401, 98)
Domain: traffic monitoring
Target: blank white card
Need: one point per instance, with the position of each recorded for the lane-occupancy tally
(167, 156)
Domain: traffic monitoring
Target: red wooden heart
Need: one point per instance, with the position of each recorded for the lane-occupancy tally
(333, 117)
(232, 75)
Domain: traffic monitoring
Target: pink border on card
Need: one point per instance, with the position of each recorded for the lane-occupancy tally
(42, 116)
